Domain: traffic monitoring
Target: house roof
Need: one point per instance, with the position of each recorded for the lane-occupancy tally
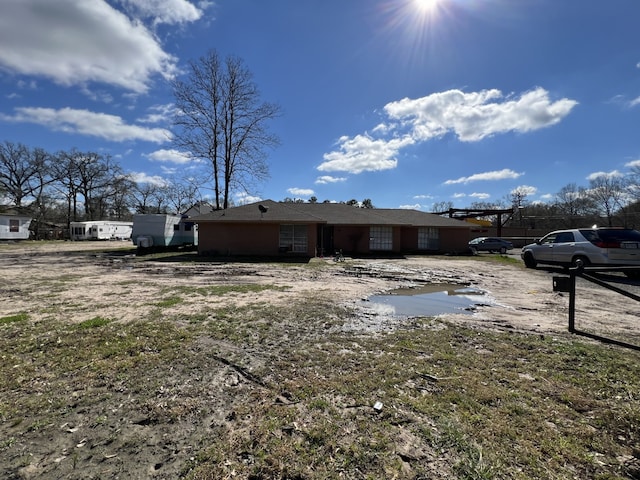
(327, 213)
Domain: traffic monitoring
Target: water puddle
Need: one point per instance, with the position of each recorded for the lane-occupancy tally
(429, 300)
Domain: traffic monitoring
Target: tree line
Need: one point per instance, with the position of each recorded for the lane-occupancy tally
(78, 185)
(219, 121)
(608, 200)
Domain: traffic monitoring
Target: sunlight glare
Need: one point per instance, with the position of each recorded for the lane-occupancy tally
(425, 6)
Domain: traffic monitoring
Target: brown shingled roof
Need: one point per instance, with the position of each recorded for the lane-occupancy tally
(329, 213)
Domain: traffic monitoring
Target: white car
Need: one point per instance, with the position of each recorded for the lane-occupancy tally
(586, 246)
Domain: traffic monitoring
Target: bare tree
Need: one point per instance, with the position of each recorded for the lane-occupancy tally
(574, 205)
(442, 208)
(181, 196)
(219, 117)
(145, 196)
(24, 172)
(608, 194)
(89, 180)
(632, 181)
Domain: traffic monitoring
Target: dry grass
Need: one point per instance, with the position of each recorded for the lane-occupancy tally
(261, 391)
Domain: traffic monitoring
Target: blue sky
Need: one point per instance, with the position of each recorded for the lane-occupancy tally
(406, 102)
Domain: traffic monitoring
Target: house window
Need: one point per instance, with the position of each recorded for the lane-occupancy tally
(14, 225)
(380, 238)
(176, 227)
(428, 238)
(293, 238)
(188, 226)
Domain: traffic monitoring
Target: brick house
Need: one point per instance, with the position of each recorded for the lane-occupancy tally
(319, 229)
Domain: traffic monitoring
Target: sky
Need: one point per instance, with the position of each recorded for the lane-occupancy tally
(409, 103)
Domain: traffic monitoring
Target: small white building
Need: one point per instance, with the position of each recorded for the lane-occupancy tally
(163, 230)
(14, 227)
(100, 230)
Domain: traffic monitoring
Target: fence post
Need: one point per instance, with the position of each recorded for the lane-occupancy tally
(572, 300)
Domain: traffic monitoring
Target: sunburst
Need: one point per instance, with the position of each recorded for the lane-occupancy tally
(426, 7)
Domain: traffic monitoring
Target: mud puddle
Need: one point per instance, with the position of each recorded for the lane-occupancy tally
(429, 300)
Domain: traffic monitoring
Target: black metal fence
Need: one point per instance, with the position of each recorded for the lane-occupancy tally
(568, 284)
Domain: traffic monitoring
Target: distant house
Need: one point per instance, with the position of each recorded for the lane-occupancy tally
(320, 229)
(14, 226)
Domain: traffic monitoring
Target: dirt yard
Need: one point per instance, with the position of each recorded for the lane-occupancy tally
(116, 286)
(70, 283)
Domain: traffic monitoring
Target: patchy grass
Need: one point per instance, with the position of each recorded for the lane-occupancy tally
(219, 290)
(453, 401)
(19, 317)
(168, 302)
(93, 323)
(263, 391)
(473, 404)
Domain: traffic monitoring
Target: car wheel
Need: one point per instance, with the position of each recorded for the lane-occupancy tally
(529, 261)
(503, 250)
(579, 261)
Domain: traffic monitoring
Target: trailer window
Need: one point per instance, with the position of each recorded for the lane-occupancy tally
(14, 225)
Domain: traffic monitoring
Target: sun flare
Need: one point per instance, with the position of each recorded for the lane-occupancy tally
(425, 6)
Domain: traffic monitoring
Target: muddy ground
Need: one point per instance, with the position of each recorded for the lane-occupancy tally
(75, 282)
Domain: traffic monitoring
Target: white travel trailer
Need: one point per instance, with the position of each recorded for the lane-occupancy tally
(14, 227)
(100, 230)
(163, 230)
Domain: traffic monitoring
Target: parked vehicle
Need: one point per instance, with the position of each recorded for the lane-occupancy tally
(163, 230)
(100, 230)
(585, 246)
(489, 244)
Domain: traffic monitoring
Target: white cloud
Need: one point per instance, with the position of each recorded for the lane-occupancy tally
(164, 11)
(324, 179)
(85, 122)
(171, 155)
(73, 42)
(477, 115)
(141, 177)
(244, 198)
(480, 196)
(525, 190)
(459, 195)
(415, 206)
(503, 174)
(302, 192)
(364, 154)
(611, 174)
(158, 114)
(470, 116)
(633, 164)
(634, 102)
